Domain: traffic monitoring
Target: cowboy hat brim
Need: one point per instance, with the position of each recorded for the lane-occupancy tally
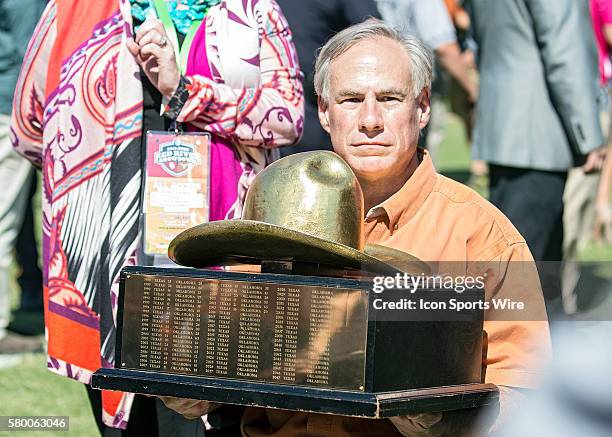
(230, 242)
(399, 259)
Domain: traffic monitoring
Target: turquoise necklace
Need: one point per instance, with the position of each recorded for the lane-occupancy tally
(182, 12)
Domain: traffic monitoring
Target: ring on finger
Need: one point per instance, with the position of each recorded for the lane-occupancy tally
(163, 41)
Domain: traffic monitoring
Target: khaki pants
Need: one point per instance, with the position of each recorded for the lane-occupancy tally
(579, 215)
(578, 222)
(15, 172)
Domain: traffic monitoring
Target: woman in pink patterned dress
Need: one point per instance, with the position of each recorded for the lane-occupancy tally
(80, 109)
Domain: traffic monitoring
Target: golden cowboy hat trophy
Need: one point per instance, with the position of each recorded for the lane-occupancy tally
(304, 208)
(307, 341)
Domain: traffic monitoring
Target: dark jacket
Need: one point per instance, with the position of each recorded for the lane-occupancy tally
(312, 23)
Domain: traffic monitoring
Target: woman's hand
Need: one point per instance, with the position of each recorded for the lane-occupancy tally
(154, 52)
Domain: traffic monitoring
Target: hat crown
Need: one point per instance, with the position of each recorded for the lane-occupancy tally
(316, 193)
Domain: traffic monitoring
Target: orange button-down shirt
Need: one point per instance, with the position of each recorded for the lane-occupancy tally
(439, 220)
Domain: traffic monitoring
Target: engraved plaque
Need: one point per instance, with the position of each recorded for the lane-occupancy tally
(303, 343)
(245, 330)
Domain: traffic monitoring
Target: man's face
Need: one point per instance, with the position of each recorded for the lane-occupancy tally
(372, 116)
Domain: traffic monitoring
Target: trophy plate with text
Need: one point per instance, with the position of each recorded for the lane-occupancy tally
(303, 343)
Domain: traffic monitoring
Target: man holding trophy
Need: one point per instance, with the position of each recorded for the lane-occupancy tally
(374, 98)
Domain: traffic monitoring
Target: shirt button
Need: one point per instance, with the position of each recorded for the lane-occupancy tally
(396, 226)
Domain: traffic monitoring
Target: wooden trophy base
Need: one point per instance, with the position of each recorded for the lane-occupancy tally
(314, 400)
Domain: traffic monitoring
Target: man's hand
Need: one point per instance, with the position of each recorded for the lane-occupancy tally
(595, 160)
(154, 52)
(416, 424)
(189, 408)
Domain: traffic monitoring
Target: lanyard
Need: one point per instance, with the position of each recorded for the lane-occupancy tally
(181, 54)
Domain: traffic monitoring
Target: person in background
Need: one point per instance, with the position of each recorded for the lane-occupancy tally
(571, 403)
(430, 21)
(601, 14)
(458, 99)
(536, 115)
(28, 318)
(458, 15)
(602, 231)
(312, 23)
(17, 21)
(93, 82)
(582, 204)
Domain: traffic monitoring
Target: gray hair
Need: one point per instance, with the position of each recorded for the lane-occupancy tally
(421, 57)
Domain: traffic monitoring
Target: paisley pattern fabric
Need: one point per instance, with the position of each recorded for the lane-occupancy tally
(78, 116)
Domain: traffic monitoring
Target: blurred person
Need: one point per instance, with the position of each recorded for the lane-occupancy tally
(28, 317)
(575, 399)
(430, 21)
(536, 115)
(582, 203)
(374, 84)
(602, 231)
(458, 14)
(601, 14)
(312, 23)
(458, 99)
(17, 21)
(90, 88)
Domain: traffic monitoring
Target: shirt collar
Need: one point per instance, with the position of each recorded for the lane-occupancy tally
(405, 203)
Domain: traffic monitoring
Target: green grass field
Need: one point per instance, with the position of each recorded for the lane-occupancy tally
(29, 389)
